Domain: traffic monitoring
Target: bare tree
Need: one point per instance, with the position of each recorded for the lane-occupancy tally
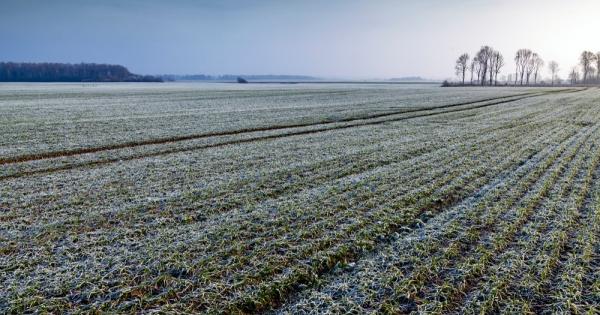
(474, 68)
(530, 66)
(498, 64)
(574, 75)
(479, 67)
(553, 67)
(538, 63)
(517, 66)
(586, 60)
(598, 67)
(522, 59)
(461, 66)
(491, 67)
(484, 55)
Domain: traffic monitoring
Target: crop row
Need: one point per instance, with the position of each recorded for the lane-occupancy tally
(242, 227)
(420, 286)
(68, 117)
(423, 269)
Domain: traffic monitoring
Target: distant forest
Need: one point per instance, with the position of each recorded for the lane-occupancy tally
(65, 72)
(233, 77)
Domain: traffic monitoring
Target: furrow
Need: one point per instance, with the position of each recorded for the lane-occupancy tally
(501, 242)
(429, 200)
(454, 252)
(451, 229)
(67, 153)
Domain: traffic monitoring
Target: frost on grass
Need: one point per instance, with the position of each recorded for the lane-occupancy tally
(302, 199)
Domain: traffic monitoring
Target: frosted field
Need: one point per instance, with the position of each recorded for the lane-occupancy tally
(304, 198)
(39, 118)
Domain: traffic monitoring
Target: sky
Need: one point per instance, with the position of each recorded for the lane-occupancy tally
(354, 39)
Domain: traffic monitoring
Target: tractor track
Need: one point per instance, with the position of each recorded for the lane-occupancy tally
(420, 113)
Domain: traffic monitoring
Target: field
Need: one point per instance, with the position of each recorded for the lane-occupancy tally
(288, 199)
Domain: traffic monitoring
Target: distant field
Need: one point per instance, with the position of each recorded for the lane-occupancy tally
(298, 198)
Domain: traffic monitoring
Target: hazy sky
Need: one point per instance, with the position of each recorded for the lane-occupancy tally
(333, 38)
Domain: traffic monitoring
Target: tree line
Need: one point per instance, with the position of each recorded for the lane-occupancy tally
(65, 72)
(590, 69)
(487, 63)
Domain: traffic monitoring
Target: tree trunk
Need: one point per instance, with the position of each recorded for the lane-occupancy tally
(522, 74)
(484, 75)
